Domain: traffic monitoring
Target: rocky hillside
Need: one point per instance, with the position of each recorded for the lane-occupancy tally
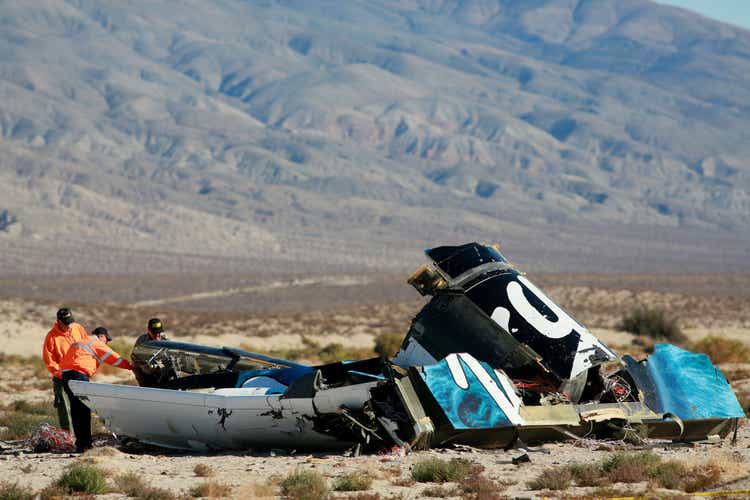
(227, 134)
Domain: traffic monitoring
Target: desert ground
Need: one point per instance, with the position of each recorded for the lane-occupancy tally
(321, 318)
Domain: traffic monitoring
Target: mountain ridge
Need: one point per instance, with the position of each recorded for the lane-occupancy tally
(242, 128)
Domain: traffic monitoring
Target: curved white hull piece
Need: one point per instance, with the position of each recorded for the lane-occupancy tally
(202, 421)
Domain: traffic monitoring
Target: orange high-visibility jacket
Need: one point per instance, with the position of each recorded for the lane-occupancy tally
(57, 343)
(86, 356)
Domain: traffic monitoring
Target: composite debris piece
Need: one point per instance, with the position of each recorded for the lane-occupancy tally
(490, 361)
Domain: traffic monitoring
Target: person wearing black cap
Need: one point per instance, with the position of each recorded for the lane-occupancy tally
(64, 333)
(144, 374)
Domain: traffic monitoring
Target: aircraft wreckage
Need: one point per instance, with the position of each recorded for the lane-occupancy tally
(490, 361)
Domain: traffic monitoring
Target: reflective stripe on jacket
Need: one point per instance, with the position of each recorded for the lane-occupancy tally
(86, 356)
(57, 343)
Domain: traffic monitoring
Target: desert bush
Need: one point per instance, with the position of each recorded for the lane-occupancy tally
(553, 478)
(388, 344)
(629, 467)
(304, 485)
(132, 485)
(354, 481)
(654, 323)
(701, 477)
(203, 470)
(81, 478)
(586, 474)
(210, 489)
(478, 486)
(436, 470)
(12, 491)
(722, 350)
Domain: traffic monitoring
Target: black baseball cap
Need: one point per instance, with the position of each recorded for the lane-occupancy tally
(100, 330)
(65, 316)
(155, 326)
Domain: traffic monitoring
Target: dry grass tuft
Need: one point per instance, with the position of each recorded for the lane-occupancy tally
(553, 478)
(211, 489)
(81, 478)
(722, 350)
(132, 485)
(12, 491)
(353, 481)
(203, 470)
(436, 470)
(304, 485)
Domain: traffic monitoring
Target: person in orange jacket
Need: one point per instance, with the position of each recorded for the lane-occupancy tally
(79, 363)
(63, 334)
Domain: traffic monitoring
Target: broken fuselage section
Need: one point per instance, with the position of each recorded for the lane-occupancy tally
(489, 361)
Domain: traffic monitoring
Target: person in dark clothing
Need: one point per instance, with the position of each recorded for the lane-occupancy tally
(147, 376)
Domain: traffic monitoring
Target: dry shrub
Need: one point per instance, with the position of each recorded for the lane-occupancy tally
(353, 481)
(654, 323)
(304, 485)
(436, 470)
(722, 350)
(553, 478)
(12, 491)
(203, 470)
(210, 489)
(132, 485)
(629, 467)
(478, 486)
(702, 477)
(669, 474)
(80, 478)
(388, 344)
(586, 474)
(634, 468)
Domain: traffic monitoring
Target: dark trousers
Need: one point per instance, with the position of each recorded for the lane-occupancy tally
(61, 403)
(79, 412)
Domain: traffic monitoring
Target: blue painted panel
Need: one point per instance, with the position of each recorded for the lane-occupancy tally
(689, 386)
(470, 408)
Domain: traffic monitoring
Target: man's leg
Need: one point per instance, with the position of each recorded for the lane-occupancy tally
(80, 412)
(61, 404)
